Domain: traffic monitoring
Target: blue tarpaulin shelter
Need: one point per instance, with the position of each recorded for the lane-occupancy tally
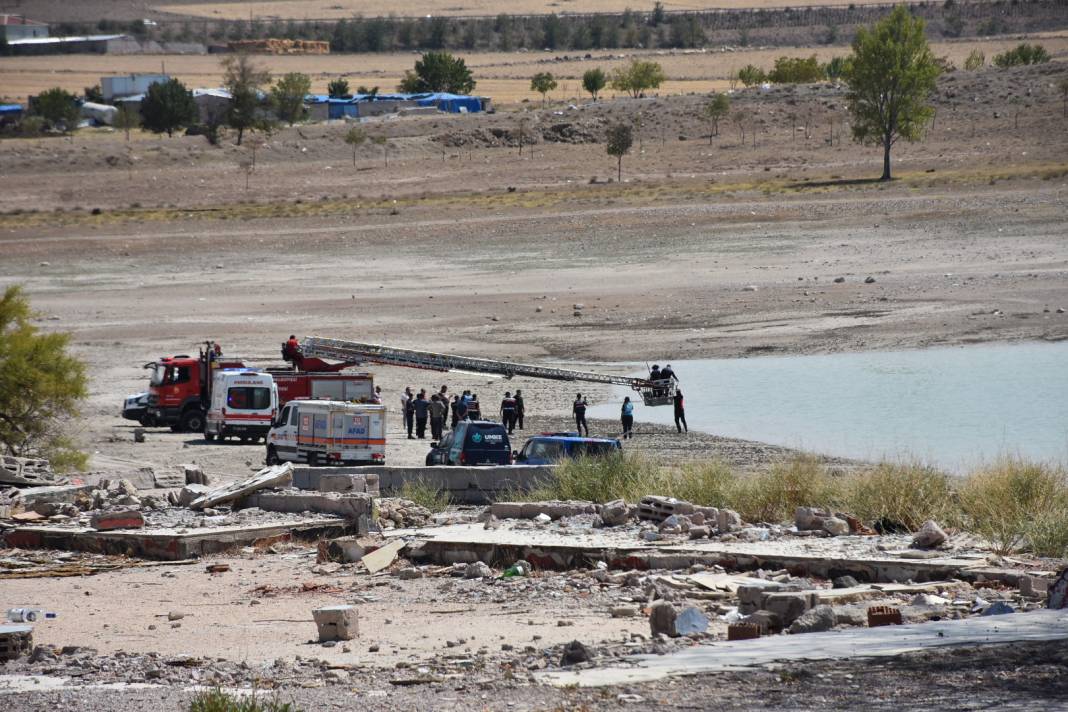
(340, 107)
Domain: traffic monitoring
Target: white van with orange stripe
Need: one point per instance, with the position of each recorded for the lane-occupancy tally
(243, 404)
(327, 432)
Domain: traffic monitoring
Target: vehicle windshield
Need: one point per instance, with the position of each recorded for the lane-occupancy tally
(248, 398)
(545, 450)
(159, 375)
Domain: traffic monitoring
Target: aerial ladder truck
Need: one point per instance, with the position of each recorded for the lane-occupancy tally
(653, 393)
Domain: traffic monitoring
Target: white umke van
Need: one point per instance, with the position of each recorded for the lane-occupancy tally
(326, 432)
(243, 404)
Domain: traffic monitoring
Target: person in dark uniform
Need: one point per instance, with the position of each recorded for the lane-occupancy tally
(666, 374)
(439, 408)
(626, 415)
(578, 408)
(421, 409)
(680, 413)
(520, 409)
(508, 412)
(408, 410)
(457, 409)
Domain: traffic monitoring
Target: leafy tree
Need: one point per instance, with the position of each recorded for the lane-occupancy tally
(168, 106)
(288, 96)
(637, 77)
(338, 88)
(750, 75)
(41, 385)
(796, 70)
(543, 83)
(593, 81)
(58, 107)
(620, 139)
(658, 16)
(1023, 53)
(976, 60)
(891, 74)
(716, 109)
(243, 79)
(94, 95)
(355, 138)
(438, 71)
(126, 120)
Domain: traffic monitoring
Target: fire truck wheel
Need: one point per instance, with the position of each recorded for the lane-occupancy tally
(209, 436)
(193, 421)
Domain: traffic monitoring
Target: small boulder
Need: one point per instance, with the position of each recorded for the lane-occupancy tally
(929, 536)
(478, 569)
(575, 652)
(662, 617)
(845, 582)
(728, 520)
(835, 526)
(615, 513)
(816, 620)
(701, 532)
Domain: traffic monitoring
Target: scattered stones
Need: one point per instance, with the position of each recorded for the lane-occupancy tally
(690, 621)
(839, 280)
(869, 280)
(175, 616)
(845, 582)
(409, 574)
(929, 536)
(835, 526)
(998, 608)
(728, 520)
(623, 611)
(701, 532)
(817, 620)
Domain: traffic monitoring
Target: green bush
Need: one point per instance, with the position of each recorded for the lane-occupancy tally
(1023, 53)
(905, 493)
(796, 70)
(426, 495)
(219, 701)
(620, 475)
(750, 75)
(1016, 504)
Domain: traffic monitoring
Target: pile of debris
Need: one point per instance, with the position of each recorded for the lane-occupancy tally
(27, 472)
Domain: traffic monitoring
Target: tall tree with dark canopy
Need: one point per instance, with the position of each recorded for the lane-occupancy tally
(438, 71)
(891, 74)
(620, 139)
(168, 106)
(593, 81)
(243, 79)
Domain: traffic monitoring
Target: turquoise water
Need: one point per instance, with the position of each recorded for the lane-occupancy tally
(953, 407)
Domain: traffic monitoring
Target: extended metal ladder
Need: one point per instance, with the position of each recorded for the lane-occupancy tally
(375, 353)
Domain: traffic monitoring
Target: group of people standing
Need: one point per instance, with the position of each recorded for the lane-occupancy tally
(419, 411)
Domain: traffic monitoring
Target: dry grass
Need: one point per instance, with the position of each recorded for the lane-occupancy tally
(426, 495)
(905, 494)
(775, 495)
(1018, 504)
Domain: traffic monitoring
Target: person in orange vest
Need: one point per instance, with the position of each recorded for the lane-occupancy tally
(292, 348)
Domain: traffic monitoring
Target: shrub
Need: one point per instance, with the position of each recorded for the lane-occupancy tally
(637, 77)
(796, 70)
(1023, 53)
(710, 483)
(750, 75)
(219, 701)
(904, 493)
(1013, 500)
(976, 60)
(773, 496)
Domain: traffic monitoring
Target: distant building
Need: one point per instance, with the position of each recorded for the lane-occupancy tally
(130, 85)
(17, 27)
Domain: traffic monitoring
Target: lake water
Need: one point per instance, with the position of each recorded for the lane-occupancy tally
(953, 407)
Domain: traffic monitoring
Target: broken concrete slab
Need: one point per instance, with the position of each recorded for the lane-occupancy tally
(273, 476)
(168, 480)
(336, 623)
(171, 544)
(846, 644)
(30, 496)
(554, 549)
(367, 484)
(383, 556)
(553, 509)
(27, 472)
(354, 506)
(464, 485)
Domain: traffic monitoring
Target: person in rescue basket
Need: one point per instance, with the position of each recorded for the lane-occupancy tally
(626, 414)
(508, 412)
(578, 408)
(680, 413)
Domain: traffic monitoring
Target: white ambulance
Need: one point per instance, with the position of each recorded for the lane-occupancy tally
(243, 404)
(327, 432)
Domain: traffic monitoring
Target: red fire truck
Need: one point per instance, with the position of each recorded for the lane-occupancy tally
(179, 393)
